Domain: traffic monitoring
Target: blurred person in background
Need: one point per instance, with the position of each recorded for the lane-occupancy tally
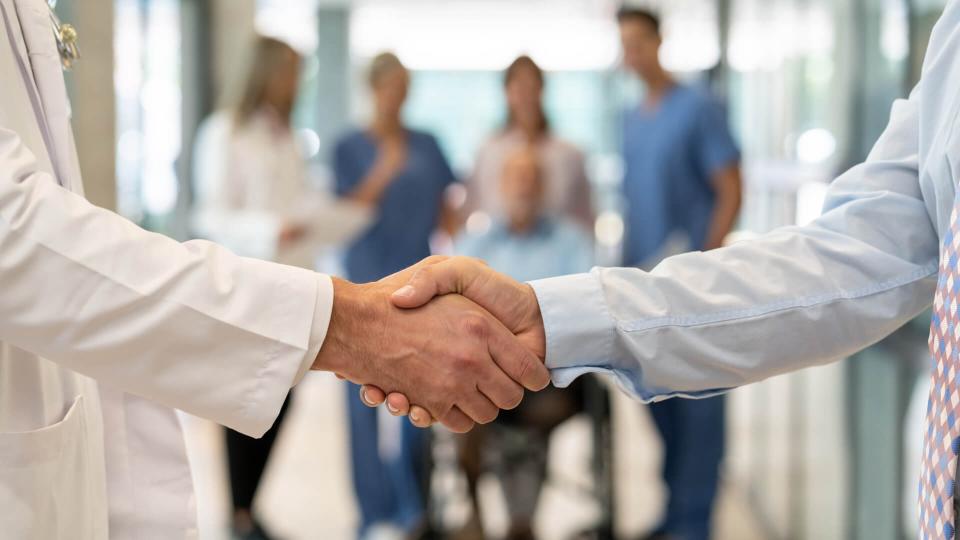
(401, 174)
(567, 189)
(526, 243)
(683, 190)
(250, 177)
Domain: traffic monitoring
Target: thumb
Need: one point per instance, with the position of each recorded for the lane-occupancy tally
(427, 282)
(452, 275)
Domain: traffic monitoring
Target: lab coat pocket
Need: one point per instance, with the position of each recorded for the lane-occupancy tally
(45, 481)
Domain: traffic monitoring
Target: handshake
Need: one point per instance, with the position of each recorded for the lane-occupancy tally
(446, 340)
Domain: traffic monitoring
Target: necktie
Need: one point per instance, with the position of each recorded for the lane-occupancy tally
(942, 436)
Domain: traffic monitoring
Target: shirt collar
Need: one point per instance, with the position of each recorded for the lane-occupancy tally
(543, 228)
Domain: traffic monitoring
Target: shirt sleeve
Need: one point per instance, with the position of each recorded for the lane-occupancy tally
(716, 148)
(321, 322)
(701, 323)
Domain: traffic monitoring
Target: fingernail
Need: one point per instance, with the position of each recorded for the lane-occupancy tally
(404, 291)
(392, 409)
(363, 396)
(415, 417)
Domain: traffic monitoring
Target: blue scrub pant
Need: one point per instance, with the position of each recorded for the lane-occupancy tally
(693, 432)
(387, 493)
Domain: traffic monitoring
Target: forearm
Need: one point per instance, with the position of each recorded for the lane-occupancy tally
(796, 297)
(371, 188)
(726, 209)
(707, 321)
(722, 222)
(187, 325)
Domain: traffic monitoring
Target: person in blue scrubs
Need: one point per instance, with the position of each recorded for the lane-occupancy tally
(683, 190)
(402, 175)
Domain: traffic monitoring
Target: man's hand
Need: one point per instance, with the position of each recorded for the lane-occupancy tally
(513, 303)
(451, 356)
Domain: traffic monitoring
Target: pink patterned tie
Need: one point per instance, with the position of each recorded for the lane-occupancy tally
(942, 439)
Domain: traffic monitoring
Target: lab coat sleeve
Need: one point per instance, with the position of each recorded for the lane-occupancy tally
(188, 325)
(701, 323)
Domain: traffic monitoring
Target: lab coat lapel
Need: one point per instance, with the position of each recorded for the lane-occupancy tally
(54, 107)
(12, 29)
(19, 46)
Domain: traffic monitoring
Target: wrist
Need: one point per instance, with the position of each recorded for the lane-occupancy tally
(340, 348)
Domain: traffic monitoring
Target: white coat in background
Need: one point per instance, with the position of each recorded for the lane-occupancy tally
(252, 180)
(104, 328)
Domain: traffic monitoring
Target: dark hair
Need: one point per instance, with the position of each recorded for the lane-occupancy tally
(268, 56)
(382, 64)
(525, 62)
(625, 14)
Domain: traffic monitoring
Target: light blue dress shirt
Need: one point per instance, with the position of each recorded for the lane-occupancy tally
(553, 248)
(701, 323)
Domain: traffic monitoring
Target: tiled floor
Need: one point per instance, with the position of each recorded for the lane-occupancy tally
(306, 492)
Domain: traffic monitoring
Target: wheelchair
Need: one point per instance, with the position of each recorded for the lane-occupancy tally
(445, 487)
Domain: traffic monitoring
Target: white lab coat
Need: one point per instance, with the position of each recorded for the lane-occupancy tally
(104, 327)
(249, 182)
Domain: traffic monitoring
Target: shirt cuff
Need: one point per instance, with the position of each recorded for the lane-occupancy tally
(578, 326)
(321, 320)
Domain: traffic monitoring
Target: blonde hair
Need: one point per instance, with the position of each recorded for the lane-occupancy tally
(382, 65)
(269, 54)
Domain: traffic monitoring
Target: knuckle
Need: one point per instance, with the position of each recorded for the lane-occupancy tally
(434, 259)
(528, 371)
(420, 275)
(450, 388)
(461, 361)
(475, 325)
(523, 367)
(473, 367)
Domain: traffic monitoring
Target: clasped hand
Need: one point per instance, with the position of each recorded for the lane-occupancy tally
(448, 340)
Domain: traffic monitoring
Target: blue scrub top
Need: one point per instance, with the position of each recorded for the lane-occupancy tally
(670, 155)
(408, 210)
